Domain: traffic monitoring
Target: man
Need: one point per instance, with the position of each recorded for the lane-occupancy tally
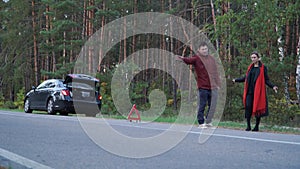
(208, 82)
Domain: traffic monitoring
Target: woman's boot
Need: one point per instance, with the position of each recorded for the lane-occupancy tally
(248, 124)
(256, 128)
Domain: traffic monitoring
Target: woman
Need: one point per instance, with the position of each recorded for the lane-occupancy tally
(254, 97)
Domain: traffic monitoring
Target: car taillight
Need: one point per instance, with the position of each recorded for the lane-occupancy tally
(100, 97)
(65, 92)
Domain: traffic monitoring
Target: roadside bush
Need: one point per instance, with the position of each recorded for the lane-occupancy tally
(1, 99)
(20, 98)
(234, 109)
(9, 105)
(282, 113)
(108, 107)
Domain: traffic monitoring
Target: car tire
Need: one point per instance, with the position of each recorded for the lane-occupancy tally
(27, 106)
(50, 109)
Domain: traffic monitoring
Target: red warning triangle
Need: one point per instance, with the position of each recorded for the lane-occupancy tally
(134, 109)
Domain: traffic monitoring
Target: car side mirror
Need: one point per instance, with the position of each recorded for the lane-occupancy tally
(33, 87)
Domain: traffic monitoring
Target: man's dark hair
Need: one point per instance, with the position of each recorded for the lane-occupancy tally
(202, 44)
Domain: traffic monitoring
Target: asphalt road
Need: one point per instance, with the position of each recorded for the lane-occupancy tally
(45, 141)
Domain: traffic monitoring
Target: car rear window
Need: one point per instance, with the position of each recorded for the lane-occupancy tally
(80, 86)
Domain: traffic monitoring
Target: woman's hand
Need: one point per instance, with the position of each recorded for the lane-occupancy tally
(275, 88)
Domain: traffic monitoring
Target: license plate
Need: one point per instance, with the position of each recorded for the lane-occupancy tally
(85, 94)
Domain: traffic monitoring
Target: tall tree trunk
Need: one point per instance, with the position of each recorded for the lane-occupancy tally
(286, 53)
(191, 75)
(90, 33)
(47, 64)
(298, 54)
(64, 50)
(225, 7)
(214, 22)
(287, 38)
(84, 21)
(163, 45)
(35, 49)
(124, 40)
(101, 40)
(298, 72)
(120, 48)
(53, 55)
(172, 60)
(135, 10)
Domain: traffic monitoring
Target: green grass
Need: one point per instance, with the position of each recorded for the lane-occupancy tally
(223, 124)
(262, 127)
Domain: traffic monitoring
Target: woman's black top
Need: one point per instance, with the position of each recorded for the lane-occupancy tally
(252, 79)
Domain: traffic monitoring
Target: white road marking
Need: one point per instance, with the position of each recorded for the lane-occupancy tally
(254, 139)
(22, 160)
(218, 135)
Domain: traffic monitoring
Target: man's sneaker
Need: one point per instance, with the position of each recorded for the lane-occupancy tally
(209, 125)
(202, 126)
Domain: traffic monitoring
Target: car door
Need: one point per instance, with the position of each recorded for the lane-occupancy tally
(34, 96)
(45, 93)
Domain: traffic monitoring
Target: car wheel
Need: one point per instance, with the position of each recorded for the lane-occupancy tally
(27, 106)
(50, 107)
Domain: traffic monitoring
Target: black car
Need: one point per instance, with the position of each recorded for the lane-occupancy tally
(78, 93)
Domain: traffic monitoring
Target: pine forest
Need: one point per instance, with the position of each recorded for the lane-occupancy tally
(42, 39)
